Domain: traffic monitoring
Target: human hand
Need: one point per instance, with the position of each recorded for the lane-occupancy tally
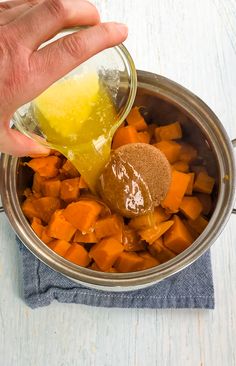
(26, 71)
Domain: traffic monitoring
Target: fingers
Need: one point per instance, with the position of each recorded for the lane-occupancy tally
(9, 15)
(7, 5)
(62, 56)
(14, 143)
(49, 17)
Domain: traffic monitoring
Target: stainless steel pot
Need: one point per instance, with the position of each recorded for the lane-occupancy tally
(165, 101)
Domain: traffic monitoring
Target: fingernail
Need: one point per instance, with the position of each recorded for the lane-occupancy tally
(122, 28)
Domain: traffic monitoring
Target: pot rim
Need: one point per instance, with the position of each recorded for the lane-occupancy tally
(223, 150)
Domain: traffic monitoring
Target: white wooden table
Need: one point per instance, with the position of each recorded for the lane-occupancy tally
(194, 43)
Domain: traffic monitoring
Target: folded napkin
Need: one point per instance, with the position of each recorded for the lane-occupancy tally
(190, 288)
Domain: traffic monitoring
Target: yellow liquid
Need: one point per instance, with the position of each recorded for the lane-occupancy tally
(77, 117)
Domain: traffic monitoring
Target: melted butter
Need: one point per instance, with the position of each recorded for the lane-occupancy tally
(123, 189)
(76, 116)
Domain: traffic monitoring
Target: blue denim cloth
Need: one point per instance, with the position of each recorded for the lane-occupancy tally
(190, 288)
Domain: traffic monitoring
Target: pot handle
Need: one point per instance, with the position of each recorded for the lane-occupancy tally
(234, 145)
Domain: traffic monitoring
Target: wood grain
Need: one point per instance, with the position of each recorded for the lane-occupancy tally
(193, 43)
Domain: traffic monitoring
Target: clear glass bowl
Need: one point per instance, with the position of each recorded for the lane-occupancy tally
(117, 73)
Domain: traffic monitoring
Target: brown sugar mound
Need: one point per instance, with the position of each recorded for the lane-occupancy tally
(136, 179)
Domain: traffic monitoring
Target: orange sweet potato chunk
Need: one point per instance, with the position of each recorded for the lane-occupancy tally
(148, 260)
(69, 170)
(131, 240)
(70, 189)
(45, 238)
(189, 190)
(160, 252)
(59, 227)
(37, 183)
(83, 214)
(172, 131)
(187, 153)
(109, 226)
(59, 246)
(46, 167)
(155, 232)
(181, 166)
(29, 210)
(177, 190)
(37, 226)
(160, 215)
(144, 137)
(170, 149)
(136, 120)
(82, 184)
(204, 183)
(46, 206)
(51, 187)
(206, 202)
(178, 238)
(191, 207)
(78, 255)
(129, 262)
(199, 224)
(125, 135)
(143, 221)
(85, 238)
(106, 252)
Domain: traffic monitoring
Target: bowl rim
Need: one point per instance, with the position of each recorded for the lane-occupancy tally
(166, 89)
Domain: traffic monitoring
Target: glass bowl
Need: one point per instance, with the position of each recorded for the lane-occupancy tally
(117, 73)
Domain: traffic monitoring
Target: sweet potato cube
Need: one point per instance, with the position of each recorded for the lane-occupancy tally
(181, 166)
(44, 237)
(131, 240)
(37, 183)
(191, 207)
(129, 262)
(177, 190)
(160, 252)
(148, 260)
(144, 137)
(143, 221)
(59, 246)
(46, 167)
(83, 214)
(109, 226)
(204, 183)
(160, 215)
(189, 190)
(46, 206)
(106, 252)
(170, 149)
(85, 238)
(125, 135)
(69, 170)
(206, 202)
(136, 120)
(82, 184)
(59, 227)
(51, 187)
(187, 153)
(178, 238)
(152, 234)
(37, 226)
(78, 255)
(199, 224)
(70, 189)
(29, 210)
(172, 131)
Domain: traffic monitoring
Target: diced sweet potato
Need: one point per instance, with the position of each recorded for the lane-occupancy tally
(192, 231)
(46, 206)
(187, 153)
(51, 187)
(191, 207)
(37, 183)
(83, 214)
(109, 226)
(144, 137)
(160, 215)
(206, 202)
(136, 120)
(45, 238)
(199, 224)
(59, 246)
(172, 131)
(151, 130)
(129, 262)
(125, 135)
(178, 238)
(29, 210)
(181, 166)
(152, 234)
(177, 190)
(78, 255)
(59, 227)
(37, 226)
(46, 167)
(143, 221)
(85, 238)
(148, 260)
(69, 170)
(189, 190)
(106, 252)
(82, 184)
(204, 183)
(131, 240)
(160, 252)
(70, 189)
(170, 149)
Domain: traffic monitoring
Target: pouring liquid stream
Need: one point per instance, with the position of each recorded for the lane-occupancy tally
(78, 118)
